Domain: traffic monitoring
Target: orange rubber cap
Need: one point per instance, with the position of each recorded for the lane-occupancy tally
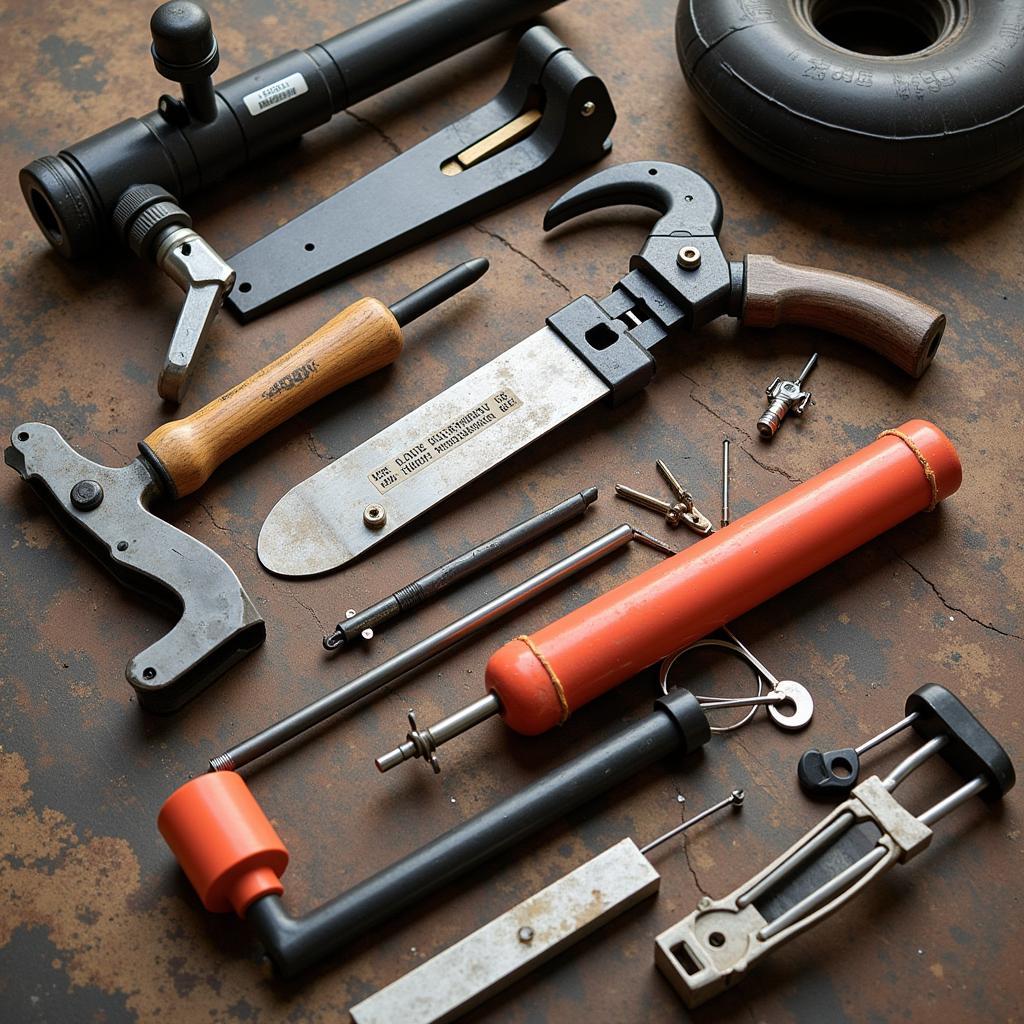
(223, 841)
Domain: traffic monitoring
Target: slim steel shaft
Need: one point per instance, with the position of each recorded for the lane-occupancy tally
(734, 799)
(725, 483)
(438, 580)
(330, 704)
(806, 371)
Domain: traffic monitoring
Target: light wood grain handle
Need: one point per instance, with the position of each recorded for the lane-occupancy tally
(893, 324)
(360, 339)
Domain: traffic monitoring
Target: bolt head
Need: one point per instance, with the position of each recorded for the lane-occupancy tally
(588, 108)
(374, 517)
(526, 933)
(688, 257)
(86, 495)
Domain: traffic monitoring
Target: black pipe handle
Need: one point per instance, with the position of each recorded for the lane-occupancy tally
(678, 725)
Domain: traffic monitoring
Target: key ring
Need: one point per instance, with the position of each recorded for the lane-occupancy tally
(781, 692)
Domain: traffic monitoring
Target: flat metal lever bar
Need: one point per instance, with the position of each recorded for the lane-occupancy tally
(486, 160)
(512, 945)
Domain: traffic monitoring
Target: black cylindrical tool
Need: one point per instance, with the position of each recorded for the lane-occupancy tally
(677, 726)
(437, 581)
(183, 147)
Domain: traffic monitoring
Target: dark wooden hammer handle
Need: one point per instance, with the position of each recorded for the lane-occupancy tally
(360, 339)
(895, 325)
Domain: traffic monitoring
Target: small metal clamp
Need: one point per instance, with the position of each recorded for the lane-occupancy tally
(682, 512)
(784, 397)
(156, 228)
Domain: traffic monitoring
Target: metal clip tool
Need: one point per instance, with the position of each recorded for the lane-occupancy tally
(721, 940)
(783, 694)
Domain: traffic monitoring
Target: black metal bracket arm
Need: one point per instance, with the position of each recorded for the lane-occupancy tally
(552, 117)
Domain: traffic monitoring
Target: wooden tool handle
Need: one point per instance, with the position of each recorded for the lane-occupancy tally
(360, 339)
(895, 325)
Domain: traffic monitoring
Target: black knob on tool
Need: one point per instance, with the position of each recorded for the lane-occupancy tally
(142, 214)
(829, 775)
(185, 50)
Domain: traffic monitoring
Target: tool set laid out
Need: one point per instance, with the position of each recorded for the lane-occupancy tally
(552, 118)
(125, 183)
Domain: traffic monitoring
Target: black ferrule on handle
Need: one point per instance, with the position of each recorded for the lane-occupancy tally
(183, 147)
(678, 725)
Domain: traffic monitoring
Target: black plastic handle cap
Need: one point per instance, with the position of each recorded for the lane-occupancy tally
(184, 46)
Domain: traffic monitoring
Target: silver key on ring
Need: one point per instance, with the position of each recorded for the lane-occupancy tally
(782, 693)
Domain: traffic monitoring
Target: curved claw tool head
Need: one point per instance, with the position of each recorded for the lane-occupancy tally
(687, 202)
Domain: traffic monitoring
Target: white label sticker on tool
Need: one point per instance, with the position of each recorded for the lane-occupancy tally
(275, 94)
(442, 441)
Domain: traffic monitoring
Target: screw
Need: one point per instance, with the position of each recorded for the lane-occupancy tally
(588, 108)
(374, 516)
(688, 257)
(86, 495)
(526, 933)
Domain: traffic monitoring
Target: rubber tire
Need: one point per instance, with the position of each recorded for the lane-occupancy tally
(934, 123)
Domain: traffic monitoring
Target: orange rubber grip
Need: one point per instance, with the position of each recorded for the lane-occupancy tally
(223, 841)
(542, 679)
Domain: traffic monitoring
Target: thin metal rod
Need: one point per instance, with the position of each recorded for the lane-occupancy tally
(914, 761)
(885, 734)
(437, 581)
(725, 482)
(424, 742)
(642, 537)
(715, 703)
(674, 485)
(953, 801)
(413, 657)
(820, 896)
(734, 799)
(806, 371)
(822, 839)
(442, 288)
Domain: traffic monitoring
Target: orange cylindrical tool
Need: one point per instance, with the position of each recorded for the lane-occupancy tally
(223, 841)
(540, 679)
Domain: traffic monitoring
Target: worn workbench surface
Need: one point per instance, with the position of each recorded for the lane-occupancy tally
(96, 922)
